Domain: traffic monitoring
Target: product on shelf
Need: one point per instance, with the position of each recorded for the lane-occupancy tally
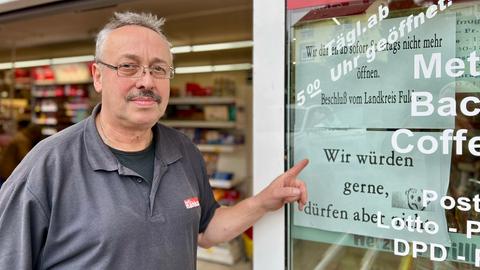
(225, 253)
(214, 136)
(58, 106)
(217, 113)
(211, 162)
(226, 176)
(175, 92)
(22, 75)
(60, 91)
(226, 197)
(197, 112)
(72, 73)
(47, 131)
(224, 87)
(247, 238)
(43, 74)
(15, 96)
(184, 112)
(194, 89)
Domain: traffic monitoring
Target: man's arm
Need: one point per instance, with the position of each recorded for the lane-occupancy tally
(228, 222)
(23, 226)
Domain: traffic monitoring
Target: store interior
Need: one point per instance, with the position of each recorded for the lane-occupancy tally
(46, 53)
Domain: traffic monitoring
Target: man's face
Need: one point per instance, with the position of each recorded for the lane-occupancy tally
(122, 99)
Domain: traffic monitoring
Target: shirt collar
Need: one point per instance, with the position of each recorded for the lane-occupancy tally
(101, 158)
(166, 147)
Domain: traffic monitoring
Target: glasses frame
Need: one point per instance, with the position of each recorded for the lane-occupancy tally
(144, 68)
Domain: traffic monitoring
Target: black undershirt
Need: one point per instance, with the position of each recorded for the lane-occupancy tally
(141, 162)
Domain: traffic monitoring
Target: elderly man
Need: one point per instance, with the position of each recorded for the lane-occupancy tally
(118, 190)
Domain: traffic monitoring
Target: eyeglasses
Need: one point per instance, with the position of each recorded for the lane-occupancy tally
(158, 71)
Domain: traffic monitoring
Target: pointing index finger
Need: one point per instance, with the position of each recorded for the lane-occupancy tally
(297, 168)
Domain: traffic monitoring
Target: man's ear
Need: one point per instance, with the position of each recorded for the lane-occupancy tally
(97, 77)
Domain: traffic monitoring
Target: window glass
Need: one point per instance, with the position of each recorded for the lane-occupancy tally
(384, 100)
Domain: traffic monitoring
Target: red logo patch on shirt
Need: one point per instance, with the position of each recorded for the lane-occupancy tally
(191, 202)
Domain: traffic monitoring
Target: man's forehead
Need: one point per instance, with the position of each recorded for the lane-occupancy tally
(135, 57)
(128, 42)
(134, 33)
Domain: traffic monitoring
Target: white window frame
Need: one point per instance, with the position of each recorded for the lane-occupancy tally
(268, 125)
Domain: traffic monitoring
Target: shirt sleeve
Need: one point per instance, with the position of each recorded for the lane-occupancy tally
(23, 226)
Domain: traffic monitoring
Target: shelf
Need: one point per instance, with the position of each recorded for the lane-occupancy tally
(23, 86)
(48, 131)
(226, 253)
(16, 117)
(58, 97)
(23, 117)
(76, 106)
(201, 100)
(48, 110)
(199, 124)
(46, 121)
(225, 184)
(23, 81)
(218, 148)
(14, 102)
(49, 83)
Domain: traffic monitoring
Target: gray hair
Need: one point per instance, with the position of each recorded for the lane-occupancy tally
(120, 19)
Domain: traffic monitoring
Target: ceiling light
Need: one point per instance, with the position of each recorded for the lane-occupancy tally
(215, 68)
(222, 46)
(232, 67)
(75, 59)
(196, 69)
(181, 49)
(6, 66)
(32, 63)
(213, 47)
(46, 62)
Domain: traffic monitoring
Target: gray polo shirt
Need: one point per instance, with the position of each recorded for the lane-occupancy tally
(71, 205)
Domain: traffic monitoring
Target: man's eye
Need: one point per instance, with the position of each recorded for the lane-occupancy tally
(159, 69)
(128, 66)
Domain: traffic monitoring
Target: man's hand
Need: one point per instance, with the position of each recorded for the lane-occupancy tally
(286, 188)
(228, 222)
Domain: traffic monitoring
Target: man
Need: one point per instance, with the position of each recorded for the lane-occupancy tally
(119, 190)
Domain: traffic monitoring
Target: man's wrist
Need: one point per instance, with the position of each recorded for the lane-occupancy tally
(257, 204)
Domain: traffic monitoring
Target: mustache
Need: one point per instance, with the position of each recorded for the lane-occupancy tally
(144, 93)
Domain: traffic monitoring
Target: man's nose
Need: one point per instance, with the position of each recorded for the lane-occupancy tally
(146, 81)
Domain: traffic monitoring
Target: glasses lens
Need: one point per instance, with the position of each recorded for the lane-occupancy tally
(129, 70)
(160, 71)
(157, 71)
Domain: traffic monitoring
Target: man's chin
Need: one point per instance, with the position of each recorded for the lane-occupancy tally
(146, 120)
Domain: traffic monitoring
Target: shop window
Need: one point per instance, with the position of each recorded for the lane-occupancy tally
(383, 98)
